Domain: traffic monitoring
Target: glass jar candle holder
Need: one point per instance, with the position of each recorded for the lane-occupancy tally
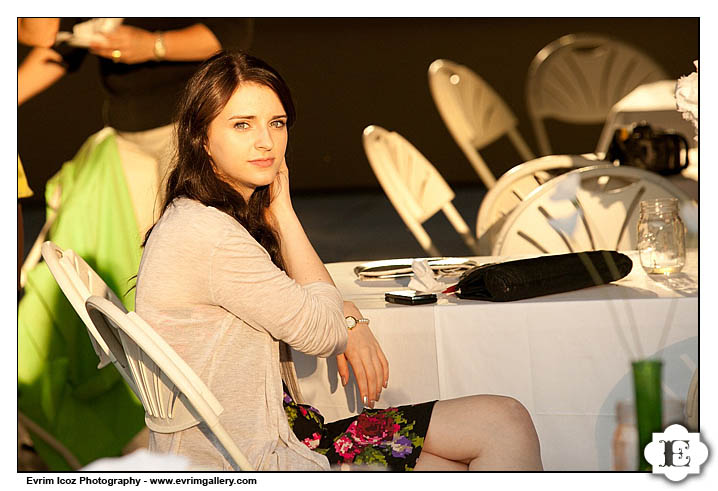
(661, 237)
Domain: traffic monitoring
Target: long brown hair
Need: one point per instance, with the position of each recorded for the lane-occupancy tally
(193, 175)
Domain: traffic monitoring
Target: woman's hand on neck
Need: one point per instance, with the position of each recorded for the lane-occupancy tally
(281, 201)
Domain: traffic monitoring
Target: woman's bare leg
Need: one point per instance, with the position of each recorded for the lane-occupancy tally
(482, 432)
(430, 462)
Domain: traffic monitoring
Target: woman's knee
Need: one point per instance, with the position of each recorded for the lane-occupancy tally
(514, 410)
(515, 418)
(487, 416)
(507, 415)
(482, 425)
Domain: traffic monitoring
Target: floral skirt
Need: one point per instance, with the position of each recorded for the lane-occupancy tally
(389, 439)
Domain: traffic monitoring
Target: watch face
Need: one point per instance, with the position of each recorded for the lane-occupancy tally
(159, 48)
(351, 321)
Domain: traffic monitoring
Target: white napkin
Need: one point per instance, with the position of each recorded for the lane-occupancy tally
(93, 30)
(423, 279)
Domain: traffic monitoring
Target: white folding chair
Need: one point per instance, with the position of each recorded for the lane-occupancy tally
(78, 281)
(413, 185)
(579, 77)
(607, 200)
(173, 396)
(474, 114)
(513, 187)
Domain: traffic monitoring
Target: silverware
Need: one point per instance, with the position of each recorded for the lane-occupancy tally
(400, 268)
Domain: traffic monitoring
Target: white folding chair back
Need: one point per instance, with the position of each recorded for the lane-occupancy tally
(513, 187)
(78, 281)
(412, 184)
(579, 77)
(474, 114)
(608, 198)
(173, 396)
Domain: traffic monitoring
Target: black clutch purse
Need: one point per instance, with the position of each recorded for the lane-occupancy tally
(544, 275)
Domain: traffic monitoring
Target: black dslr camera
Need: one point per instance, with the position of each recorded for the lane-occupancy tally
(649, 149)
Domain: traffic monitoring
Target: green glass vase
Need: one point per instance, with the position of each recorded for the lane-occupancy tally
(649, 404)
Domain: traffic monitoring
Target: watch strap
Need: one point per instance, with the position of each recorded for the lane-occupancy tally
(351, 321)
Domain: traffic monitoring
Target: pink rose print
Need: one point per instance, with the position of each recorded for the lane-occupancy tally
(344, 446)
(313, 441)
(372, 429)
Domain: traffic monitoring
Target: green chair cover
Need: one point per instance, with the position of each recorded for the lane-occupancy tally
(92, 412)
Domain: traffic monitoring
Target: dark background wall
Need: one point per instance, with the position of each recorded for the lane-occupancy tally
(347, 73)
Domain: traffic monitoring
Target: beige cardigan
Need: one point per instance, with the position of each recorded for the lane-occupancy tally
(211, 291)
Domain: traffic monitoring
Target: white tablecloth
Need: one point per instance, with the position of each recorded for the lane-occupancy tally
(561, 355)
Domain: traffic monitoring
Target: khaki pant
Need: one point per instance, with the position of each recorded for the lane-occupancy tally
(146, 158)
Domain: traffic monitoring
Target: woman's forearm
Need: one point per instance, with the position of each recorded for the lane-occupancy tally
(37, 31)
(130, 45)
(38, 71)
(301, 260)
(192, 43)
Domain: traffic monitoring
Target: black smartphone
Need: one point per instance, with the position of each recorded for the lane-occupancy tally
(409, 297)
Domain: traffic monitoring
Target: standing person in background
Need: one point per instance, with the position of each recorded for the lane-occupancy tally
(144, 63)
